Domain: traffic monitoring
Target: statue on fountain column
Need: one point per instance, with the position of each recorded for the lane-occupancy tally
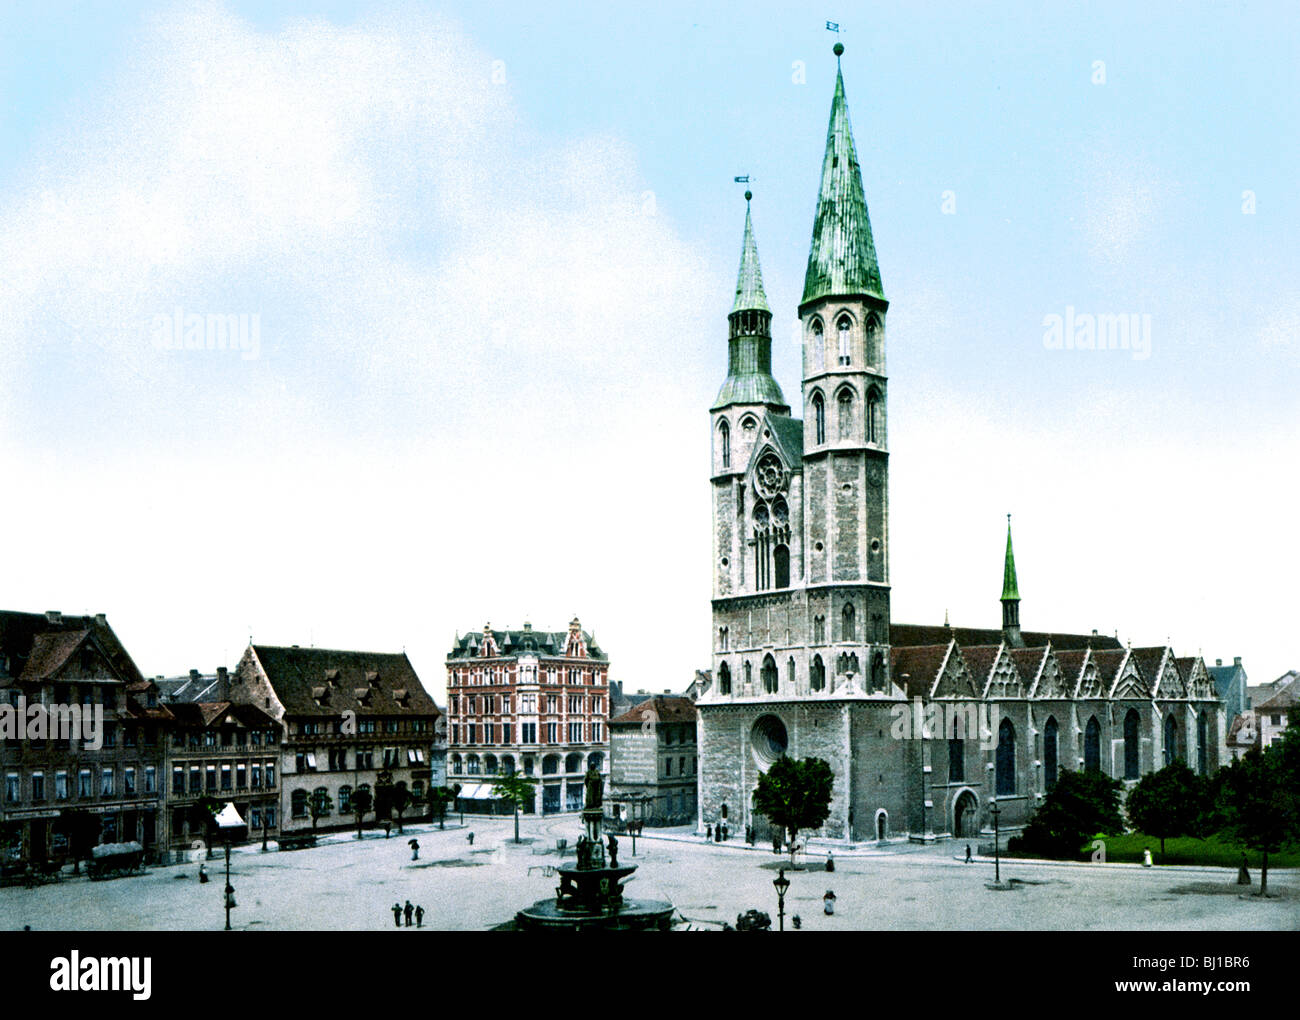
(595, 788)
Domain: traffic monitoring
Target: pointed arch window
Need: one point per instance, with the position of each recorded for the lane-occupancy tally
(873, 416)
(819, 629)
(789, 672)
(845, 401)
(1051, 737)
(1005, 767)
(956, 755)
(1092, 746)
(873, 341)
(819, 416)
(724, 434)
(781, 563)
(818, 349)
(817, 674)
(1171, 740)
(749, 674)
(1132, 760)
(1202, 744)
(844, 327)
(724, 679)
(848, 623)
(768, 675)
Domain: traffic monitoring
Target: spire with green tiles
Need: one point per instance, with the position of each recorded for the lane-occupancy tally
(1010, 588)
(1011, 597)
(749, 350)
(842, 259)
(749, 282)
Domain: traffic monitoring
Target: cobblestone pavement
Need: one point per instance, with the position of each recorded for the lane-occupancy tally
(346, 884)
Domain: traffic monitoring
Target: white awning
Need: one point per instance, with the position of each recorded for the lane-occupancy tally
(410, 756)
(477, 791)
(311, 759)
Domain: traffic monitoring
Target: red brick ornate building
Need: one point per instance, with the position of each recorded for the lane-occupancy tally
(530, 701)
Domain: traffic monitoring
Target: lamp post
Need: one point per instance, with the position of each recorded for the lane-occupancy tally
(995, 811)
(782, 884)
(228, 823)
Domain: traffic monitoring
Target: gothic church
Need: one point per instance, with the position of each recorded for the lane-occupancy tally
(807, 660)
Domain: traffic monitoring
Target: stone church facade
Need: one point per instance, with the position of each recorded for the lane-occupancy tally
(925, 727)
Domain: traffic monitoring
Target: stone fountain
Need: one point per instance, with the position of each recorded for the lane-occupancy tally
(590, 894)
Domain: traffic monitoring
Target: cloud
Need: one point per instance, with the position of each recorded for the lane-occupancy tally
(472, 339)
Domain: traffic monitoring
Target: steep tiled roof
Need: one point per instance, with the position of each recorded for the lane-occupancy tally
(1108, 662)
(915, 668)
(1028, 662)
(788, 433)
(36, 645)
(922, 634)
(666, 709)
(514, 642)
(1283, 699)
(1148, 662)
(294, 674)
(204, 713)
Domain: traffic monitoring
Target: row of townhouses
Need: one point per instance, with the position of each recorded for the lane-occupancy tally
(92, 751)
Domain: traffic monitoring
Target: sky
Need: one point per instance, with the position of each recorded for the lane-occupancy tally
(484, 257)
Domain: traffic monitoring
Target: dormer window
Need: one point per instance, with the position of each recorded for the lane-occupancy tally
(843, 327)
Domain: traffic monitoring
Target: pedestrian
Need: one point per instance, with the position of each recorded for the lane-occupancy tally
(397, 914)
(968, 857)
(415, 849)
(1146, 857)
(797, 921)
(419, 916)
(725, 831)
(409, 911)
(828, 902)
(1243, 873)
(203, 872)
(776, 841)
(830, 861)
(708, 833)
(470, 837)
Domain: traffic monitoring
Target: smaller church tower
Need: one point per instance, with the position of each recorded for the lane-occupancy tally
(748, 393)
(1010, 597)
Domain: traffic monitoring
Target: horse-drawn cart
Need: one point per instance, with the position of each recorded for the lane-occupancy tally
(110, 860)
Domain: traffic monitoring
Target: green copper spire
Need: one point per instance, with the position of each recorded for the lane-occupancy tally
(1010, 588)
(749, 282)
(749, 351)
(842, 259)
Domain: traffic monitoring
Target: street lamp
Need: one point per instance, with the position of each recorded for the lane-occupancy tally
(782, 884)
(995, 811)
(228, 823)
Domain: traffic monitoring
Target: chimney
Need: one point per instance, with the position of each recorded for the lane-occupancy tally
(221, 673)
(53, 616)
(223, 682)
(1218, 662)
(1236, 660)
(194, 674)
(101, 619)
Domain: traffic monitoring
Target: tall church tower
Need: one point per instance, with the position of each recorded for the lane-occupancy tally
(846, 450)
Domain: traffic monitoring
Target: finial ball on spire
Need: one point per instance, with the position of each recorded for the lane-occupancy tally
(748, 195)
(839, 48)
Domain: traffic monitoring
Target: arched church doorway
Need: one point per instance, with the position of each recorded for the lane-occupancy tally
(965, 816)
(882, 825)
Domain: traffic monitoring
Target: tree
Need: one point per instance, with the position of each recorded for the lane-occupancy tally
(319, 804)
(361, 804)
(518, 790)
(82, 829)
(1169, 803)
(795, 795)
(400, 799)
(203, 814)
(439, 798)
(1260, 800)
(1079, 806)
